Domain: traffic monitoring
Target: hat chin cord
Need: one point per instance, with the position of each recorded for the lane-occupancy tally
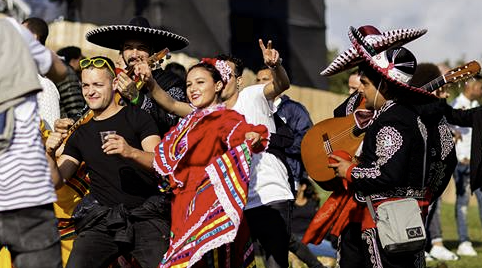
(376, 94)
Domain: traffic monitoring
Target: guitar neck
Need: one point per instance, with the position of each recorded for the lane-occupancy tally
(82, 120)
(435, 84)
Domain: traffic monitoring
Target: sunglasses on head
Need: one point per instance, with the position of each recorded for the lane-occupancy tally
(97, 63)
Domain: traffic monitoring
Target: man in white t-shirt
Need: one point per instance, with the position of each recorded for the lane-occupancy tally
(465, 100)
(29, 227)
(269, 206)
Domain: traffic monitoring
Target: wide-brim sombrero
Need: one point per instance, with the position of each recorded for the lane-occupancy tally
(395, 64)
(380, 41)
(114, 36)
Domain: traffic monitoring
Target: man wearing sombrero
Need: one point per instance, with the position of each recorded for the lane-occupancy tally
(136, 41)
(396, 151)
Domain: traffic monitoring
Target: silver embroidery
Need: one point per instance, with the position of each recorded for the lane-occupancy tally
(388, 142)
(401, 192)
(371, 173)
(370, 237)
(422, 128)
(446, 140)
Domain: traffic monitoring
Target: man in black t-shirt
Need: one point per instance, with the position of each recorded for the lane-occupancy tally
(124, 212)
(136, 42)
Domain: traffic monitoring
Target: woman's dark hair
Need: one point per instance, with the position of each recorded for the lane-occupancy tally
(210, 68)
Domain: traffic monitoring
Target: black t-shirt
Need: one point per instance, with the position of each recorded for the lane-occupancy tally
(114, 179)
(302, 216)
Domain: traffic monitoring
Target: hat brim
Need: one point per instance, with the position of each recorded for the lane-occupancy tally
(114, 37)
(350, 58)
(423, 94)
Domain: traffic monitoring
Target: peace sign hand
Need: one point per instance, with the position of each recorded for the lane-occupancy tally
(270, 55)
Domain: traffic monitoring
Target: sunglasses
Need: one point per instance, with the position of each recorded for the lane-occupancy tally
(97, 63)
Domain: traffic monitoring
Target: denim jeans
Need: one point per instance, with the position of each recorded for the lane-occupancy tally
(32, 237)
(462, 187)
(433, 225)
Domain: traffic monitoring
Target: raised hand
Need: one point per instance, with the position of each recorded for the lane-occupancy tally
(270, 55)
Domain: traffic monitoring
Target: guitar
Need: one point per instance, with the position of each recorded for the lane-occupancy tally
(82, 120)
(152, 61)
(454, 75)
(341, 133)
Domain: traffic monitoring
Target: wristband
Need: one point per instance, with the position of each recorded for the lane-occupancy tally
(136, 99)
(278, 63)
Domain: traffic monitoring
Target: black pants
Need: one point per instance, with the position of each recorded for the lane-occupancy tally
(359, 249)
(95, 247)
(270, 225)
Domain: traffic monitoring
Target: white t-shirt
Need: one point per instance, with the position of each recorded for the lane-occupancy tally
(269, 177)
(48, 102)
(462, 147)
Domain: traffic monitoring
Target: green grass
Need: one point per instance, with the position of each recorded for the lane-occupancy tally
(450, 237)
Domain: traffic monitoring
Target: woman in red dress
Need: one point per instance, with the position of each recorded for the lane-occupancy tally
(207, 157)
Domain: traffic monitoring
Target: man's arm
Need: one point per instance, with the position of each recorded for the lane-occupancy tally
(281, 81)
(58, 70)
(62, 168)
(117, 145)
(168, 103)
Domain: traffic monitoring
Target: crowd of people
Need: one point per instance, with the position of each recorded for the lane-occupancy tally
(109, 163)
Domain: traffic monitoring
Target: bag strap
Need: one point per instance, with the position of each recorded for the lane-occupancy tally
(368, 198)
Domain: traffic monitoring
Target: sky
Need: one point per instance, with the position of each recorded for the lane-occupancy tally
(454, 26)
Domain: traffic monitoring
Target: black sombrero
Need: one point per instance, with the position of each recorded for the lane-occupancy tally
(395, 64)
(114, 36)
(377, 40)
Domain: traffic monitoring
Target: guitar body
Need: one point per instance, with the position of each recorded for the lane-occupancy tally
(339, 133)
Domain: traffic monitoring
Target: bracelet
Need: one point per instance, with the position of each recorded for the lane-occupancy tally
(136, 99)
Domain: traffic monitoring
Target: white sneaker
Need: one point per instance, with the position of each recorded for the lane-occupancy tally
(466, 249)
(428, 257)
(443, 254)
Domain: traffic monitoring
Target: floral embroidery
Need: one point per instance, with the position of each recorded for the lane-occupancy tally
(446, 140)
(358, 173)
(388, 142)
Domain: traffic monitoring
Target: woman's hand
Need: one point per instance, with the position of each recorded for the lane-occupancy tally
(254, 137)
